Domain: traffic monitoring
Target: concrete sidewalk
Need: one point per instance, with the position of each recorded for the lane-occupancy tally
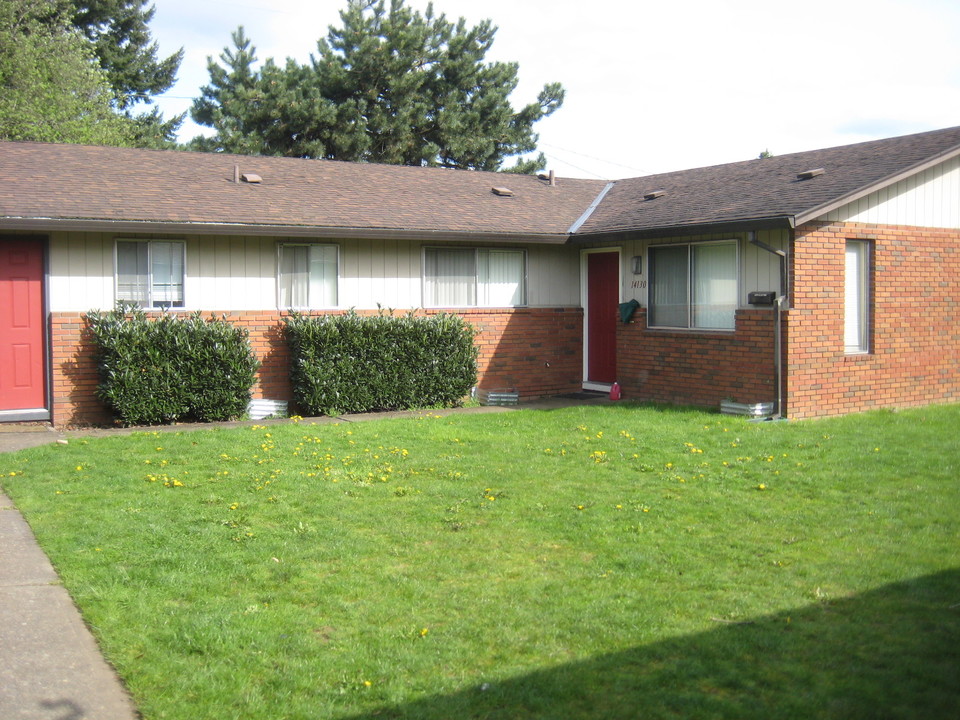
(50, 666)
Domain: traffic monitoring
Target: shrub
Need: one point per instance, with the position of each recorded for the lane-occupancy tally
(171, 368)
(349, 363)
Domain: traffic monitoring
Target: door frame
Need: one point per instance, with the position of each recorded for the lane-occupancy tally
(41, 413)
(584, 302)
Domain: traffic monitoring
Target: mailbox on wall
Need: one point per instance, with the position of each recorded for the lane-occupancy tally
(763, 297)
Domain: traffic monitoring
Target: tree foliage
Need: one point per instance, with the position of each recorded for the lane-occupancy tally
(51, 88)
(119, 33)
(71, 71)
(390, 85)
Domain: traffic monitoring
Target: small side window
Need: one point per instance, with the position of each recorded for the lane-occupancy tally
(856, 303)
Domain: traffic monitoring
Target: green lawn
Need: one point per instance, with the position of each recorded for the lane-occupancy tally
(593, 562)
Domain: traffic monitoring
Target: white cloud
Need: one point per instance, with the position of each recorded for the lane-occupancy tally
(655, 86)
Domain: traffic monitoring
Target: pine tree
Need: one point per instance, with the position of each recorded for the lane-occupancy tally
(390, 86)
(119, 33)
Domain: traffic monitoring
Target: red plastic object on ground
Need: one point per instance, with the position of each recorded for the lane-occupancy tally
(615, 391)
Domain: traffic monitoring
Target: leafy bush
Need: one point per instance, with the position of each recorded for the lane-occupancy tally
(171, 368)
(349, 363)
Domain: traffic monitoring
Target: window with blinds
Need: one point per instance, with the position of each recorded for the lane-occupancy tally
(307, 277)
(473, 277)
(693, 285)
(150, 273)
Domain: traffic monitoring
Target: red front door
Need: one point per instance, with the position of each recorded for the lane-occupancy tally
(603, 297)
(22, 375)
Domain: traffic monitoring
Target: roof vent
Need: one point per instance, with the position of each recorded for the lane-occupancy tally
(810, 174)
(251, 178)
(654, 194)
(550, 178)
(502, 191)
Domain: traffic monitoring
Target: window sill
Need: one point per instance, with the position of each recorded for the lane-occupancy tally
(692, 331)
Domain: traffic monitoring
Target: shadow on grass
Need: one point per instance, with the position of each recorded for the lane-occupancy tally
(890, 653)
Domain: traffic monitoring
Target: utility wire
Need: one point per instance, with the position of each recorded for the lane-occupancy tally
(591, 157)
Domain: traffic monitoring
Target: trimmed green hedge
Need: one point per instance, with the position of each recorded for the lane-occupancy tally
(350, 363)
(172, 368)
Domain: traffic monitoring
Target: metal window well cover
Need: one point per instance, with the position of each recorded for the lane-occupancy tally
(760, 409)
(259, 409)
(498, 397)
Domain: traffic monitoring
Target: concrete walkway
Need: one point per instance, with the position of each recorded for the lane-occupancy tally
(50, 666)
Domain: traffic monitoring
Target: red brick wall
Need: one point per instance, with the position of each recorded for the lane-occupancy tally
(691, 367)
(74, 374)
(915, 354)
(536, 351)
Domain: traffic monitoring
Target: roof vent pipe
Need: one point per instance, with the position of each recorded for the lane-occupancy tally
(236, 174)
(553, 178)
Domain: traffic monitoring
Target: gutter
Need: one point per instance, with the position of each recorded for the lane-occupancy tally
(345, 233)
(775, 222)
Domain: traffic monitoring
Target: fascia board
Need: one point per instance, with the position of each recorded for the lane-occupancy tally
(853, 196)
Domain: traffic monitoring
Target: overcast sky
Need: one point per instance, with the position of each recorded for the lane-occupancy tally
(656, 86)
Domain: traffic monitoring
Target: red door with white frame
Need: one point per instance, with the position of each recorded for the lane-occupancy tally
(22, 351)
(603, 298)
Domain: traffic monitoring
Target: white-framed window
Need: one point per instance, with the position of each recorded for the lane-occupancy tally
(693, 285)
(856, 298)
(307, 276)
(474, 277)
(150, 273)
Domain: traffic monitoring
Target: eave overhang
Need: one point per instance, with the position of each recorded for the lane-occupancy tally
(44, 225)
(778, 222)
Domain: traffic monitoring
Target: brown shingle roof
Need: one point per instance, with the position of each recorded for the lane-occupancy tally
(75, 183)
(43, 186)
(765, 192)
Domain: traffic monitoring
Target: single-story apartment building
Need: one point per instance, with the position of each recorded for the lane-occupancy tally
(824, 282)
